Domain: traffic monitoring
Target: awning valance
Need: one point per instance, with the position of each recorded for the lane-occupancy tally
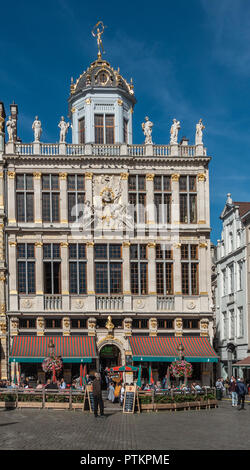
(36, 348)
(245, 363)
(164, 349)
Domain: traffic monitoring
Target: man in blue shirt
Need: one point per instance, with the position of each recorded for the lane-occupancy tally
(241, 391)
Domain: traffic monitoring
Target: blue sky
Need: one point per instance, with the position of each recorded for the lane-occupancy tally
(189, 59)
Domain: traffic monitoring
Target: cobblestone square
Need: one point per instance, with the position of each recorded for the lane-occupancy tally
(224, 428)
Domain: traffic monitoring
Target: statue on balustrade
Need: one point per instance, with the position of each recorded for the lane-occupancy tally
(37, 128)
(11, 126)
(174, 132)
(199, 133)
(64, 126)
(147, 129)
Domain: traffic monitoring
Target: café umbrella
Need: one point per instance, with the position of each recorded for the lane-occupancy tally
(138, 383)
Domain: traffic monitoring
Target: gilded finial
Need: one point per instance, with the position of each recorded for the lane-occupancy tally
(97, 32)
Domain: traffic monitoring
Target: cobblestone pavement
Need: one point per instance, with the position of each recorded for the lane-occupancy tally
(223, 429)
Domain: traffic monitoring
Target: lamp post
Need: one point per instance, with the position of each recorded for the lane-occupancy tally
(180, 350)
(51, 349)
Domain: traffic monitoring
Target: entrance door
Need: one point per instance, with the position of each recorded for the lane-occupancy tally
(110, 356)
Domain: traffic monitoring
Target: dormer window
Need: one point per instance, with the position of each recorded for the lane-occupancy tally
(104, 128)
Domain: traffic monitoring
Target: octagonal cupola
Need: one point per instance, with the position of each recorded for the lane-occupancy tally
(101, 104)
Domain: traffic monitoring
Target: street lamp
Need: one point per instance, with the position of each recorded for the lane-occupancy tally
(51, 349)
(180, 350)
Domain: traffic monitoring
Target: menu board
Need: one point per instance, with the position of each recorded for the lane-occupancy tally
(129, 399)
(90, 398)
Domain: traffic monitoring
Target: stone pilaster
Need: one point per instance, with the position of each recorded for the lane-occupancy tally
(14, 326)
(37, 181)
(65, 275)
(150, 202)
(91, 326)
(66, 326)
(204, 327)
(151, 269)
(178, 326)
(40, 326)
(126, 275)
(63, 198)
(201, 197)
(13, 275)
(11, 198)
(39, 274)
(153, 327)
(175, 206)
(127, 326)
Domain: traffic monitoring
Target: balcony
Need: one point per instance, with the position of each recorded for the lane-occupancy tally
(107, 302)
(165, 302)
(52, 302)
(154, 151)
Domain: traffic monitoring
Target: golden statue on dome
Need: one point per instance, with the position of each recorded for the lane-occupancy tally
(97, 32)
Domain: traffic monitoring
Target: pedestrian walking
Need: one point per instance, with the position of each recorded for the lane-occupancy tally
(111, 394)
(241, 390)
(232, 390)
(97, 394)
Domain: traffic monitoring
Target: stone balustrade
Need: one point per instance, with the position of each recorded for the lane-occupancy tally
(49, 149)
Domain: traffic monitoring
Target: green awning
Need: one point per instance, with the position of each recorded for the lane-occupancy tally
(69, 348)
(165, 349)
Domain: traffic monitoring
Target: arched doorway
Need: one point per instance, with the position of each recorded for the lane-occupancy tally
(109, 356)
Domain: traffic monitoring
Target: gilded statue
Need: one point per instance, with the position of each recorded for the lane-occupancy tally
(109, 325)
(97, 32)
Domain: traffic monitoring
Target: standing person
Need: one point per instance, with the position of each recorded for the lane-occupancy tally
(122, 394)
(111, 394)
(232, 390)
(241, 391)
(97, 394)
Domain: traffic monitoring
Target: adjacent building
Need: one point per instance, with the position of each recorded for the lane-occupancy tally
(232, 289)
(105, 244)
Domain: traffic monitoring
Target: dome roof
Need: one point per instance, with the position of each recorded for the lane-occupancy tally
(100, 75)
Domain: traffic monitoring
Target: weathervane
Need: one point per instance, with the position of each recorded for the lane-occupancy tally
(97, 32)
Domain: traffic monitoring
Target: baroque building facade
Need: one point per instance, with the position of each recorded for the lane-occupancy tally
(232, 289)
(105, 245)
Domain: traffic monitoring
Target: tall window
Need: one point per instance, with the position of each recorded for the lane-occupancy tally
(232, 325)
(139, 269)
(24, 198)
(224, 325)
(26, 268)
(76, 196)
(137, 197)
(224, 285)
(188, 199)
(162, 199)
(189, 269)
(108, 269)
(240, 322)
(77, 268)
(231, 278)
(125, 131)
(240, 275)
(81, 131)
(104, 128)
(50, 198)
(164, 271)
(52, 268)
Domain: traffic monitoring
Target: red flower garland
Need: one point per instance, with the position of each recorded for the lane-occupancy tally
(181, 369)
(49, 363)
